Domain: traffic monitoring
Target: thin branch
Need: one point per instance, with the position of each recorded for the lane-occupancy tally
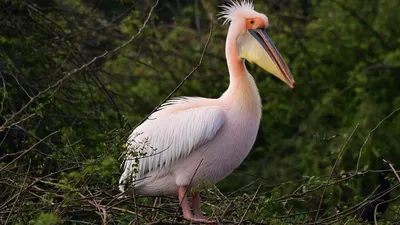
(185, 79)
(377, 205)
(332, 171)
(28, 150)
(369, 135)
(392, 168)
(19, 193)
(57, 84)
(251, 203)
(4, 93)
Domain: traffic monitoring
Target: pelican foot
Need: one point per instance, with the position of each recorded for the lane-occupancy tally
(200, 220)
(187, 214)
(199, 216)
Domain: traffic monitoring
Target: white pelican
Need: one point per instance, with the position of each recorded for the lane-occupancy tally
(191, 140)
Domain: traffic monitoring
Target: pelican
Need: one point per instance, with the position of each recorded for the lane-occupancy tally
(192, 140)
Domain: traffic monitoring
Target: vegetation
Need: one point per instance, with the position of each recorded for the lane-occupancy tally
(77, 76)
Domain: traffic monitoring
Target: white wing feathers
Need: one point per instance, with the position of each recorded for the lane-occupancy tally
(169, 135)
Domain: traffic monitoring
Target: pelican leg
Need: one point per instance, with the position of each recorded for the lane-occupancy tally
(187, 214)
(196, 205)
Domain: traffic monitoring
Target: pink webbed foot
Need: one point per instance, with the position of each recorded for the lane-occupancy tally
(198, 220)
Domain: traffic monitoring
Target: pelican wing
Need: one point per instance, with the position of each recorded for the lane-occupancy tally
(167, 136)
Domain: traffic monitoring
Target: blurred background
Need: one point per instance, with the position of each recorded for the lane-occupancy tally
(65, 118)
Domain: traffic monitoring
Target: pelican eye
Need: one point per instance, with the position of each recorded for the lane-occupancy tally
(252, 21)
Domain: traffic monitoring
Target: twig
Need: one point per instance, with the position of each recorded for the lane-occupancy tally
(366, 201)
(135, 205)
(376, 207)
(100, 208)
(57, 84)
(28, 150)
(19, 193)
(185, 79)
(369, 134)
(4, 93)
(332, 171)
(392, 168)
(251, 203)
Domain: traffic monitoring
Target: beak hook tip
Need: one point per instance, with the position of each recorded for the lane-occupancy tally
(293, 85)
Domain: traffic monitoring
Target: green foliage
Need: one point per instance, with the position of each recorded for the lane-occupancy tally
(46, 219)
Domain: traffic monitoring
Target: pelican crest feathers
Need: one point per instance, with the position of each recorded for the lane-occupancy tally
(235, 8)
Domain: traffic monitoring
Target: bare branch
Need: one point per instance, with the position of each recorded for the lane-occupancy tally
(332, 171)
(185, 79)
(369, 135)
(57, 84)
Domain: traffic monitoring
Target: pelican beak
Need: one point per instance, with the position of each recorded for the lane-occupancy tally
(275, 63)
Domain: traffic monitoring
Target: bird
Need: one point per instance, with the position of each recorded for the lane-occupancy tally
(190, 141)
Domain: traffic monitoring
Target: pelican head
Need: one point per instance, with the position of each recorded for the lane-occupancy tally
(253, 42)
